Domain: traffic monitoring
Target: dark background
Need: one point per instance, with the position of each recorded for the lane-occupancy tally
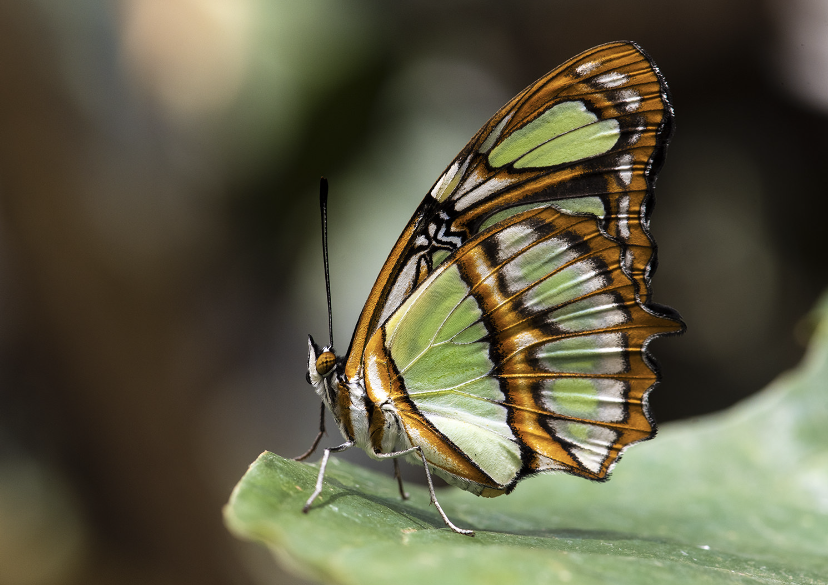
(159, 236)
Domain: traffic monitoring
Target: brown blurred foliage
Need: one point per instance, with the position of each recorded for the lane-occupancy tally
(153, 232)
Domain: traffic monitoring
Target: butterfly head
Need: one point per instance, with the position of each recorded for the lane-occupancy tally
(321, 365)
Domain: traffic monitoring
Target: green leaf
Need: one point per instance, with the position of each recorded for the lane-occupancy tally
(737, 497)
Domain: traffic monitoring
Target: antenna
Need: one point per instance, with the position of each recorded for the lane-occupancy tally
(323, 205)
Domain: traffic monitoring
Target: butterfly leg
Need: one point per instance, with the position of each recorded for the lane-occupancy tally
(434, 501)
(403, 493)
(318, 438)
(321, 476)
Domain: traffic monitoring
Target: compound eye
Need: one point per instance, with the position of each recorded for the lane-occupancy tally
(325, 363)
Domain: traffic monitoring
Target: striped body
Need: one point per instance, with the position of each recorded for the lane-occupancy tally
(507, 332)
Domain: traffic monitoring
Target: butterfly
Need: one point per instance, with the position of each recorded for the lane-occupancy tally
(507, 333)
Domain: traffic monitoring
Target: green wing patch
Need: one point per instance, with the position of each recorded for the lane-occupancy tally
(530, 339)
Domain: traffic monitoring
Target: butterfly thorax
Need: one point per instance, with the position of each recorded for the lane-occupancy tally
(373, 427)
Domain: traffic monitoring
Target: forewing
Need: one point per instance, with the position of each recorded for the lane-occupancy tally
(587, 137)
(525, 351)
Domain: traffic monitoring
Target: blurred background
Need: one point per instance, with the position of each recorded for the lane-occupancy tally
(160, 260)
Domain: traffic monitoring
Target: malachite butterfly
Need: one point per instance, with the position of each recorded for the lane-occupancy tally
(507, 333)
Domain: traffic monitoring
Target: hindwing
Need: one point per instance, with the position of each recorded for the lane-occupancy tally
(524, 351)
(588, 138)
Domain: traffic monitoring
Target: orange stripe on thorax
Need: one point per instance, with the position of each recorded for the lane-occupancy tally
(343, 409)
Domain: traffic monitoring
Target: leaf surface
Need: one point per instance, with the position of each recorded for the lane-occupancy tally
(736, 497)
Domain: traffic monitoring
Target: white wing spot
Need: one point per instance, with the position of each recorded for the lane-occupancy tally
(623, 215)
(481, 192)
(585, 68)
(437, 191)
(492, 138)
(526, 339)
(401, 288)
(625, 168)
(590, 443)
(512, 240)
(444, 238)
(611, 79)
(628, 262)
(446, 185)
(630, 99)
(636, 134)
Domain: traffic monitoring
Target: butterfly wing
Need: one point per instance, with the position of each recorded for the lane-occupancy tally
(588, 137)
(525, 351)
